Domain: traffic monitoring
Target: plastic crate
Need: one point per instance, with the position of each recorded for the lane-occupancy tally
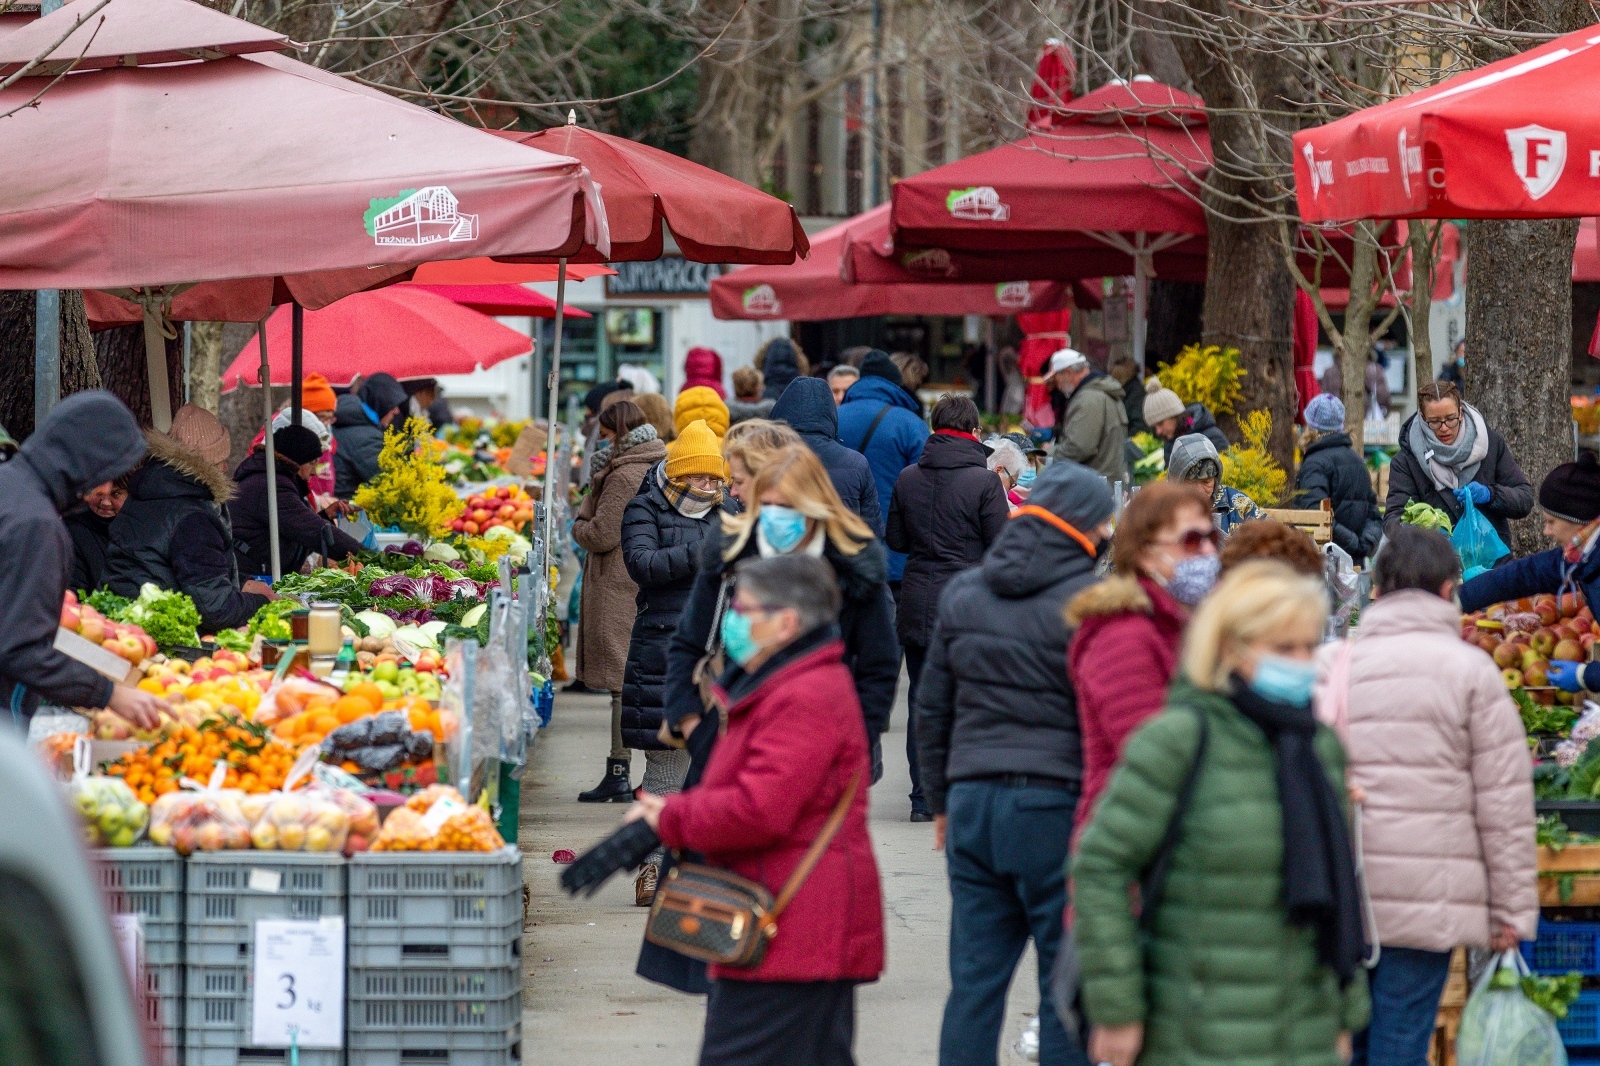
(439, 1049)
(1563, 947)
(147, 881)
(459, 909)
(216, 1024)
(163, 1009)
(429, 999)
(264, 1056)
(1581, 1027)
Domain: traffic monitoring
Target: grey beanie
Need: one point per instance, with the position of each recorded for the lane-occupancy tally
(1194, 458)
(1160, 402)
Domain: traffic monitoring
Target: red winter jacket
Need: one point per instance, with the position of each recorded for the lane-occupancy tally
(1121, 658)
(791, 748)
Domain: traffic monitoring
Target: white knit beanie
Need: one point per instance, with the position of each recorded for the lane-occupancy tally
(1160, 402)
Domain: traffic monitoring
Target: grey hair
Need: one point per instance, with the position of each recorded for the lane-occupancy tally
(803, 583)
(1005, 455)
(844, 370)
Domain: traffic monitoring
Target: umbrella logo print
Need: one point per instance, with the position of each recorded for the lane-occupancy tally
(1015, 294)
(761, 300)
(419, 216)
(934, 261)
(1538, 155)
(979, 203)
(1321, 170)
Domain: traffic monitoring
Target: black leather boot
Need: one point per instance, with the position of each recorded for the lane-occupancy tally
(613, 788)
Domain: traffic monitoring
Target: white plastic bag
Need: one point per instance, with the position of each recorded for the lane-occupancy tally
(1502, 1027)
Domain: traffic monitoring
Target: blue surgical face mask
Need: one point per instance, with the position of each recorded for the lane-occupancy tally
(783, 527)
(1284, 680)
(1025, 479)
(736, 639)
(1193, 578)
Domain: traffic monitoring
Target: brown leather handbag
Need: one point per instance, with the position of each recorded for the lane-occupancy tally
(713, 915)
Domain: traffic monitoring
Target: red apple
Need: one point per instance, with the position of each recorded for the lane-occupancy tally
(1507, 655)
(470, 528)
(1543, 642)
(71, 598)
(92, 627)
(1569, 651)
(1536, 674)
(505, 512)
(71, 617)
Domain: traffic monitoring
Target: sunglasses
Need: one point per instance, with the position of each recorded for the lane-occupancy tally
(1190, 540)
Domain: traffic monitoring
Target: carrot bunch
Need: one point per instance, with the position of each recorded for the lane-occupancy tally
(255, 762)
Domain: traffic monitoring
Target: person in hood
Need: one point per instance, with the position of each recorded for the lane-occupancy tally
(1195, 460)
(1169, 419)
(1448, 456)
(1331, 470)
(807, 406)
(301, 530)
(880, 420)
(944, 512)
(1001, 756)
(703, 366)
(88, 440)
(1091, 423)
(747, 402)
(358, 424)
(175, 532)
(90, 528)
(780, 361)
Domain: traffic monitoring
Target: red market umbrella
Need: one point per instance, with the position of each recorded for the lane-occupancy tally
(1514, 139)
(498, 299)
(402, 330)
(484, 271)
(128, 33)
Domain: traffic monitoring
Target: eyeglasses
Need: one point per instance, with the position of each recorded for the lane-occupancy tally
(1191, 539)
(1448, 422)
(753, 609)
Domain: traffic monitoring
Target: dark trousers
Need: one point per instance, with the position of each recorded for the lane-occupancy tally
(780, 1023)
(1007, 850)
(915, 657)
(1405, 988)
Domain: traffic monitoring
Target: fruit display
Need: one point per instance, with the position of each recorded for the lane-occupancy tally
(438, 819)
(504, 505)
(394, 680)
(202, 820)
(1524, 637)
(254, 760)
(120, 638)
(113, 817)
(301, 821)
(377, 743)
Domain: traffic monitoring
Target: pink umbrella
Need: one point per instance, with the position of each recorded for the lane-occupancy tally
(498, 299)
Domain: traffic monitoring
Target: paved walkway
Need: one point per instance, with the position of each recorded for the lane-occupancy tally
(582, 1002)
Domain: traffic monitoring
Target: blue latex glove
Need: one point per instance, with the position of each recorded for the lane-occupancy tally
(1475, 491)
(1565, 675)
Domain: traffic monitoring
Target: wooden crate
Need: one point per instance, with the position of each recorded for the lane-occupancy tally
(1318, 523)
(1442, 1051)
(1578, 865)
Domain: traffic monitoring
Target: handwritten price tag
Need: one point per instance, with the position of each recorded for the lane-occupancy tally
(299, 984)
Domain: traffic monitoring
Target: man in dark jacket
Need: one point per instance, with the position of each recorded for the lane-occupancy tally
(301, 531)
(174, 530)
(359, 420)
(944, 513)
(88, 440)
(1330, 469)
(1091, 423)
(807, 405)
(880, 420)
(1002, 757)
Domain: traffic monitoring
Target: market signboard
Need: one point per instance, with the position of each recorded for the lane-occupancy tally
(670, 275)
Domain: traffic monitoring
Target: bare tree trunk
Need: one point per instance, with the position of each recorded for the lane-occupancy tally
(1519, 344)
(1423, 240)
(78, 368)
(1355, 340)
(124, 370)
(205, 364)
(1156, 52)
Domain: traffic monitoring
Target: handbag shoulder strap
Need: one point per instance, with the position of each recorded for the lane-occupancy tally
(862, 447)
(814, 852)
(1154, 882)
(714, 637)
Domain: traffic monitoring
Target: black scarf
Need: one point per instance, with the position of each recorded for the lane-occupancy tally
(1319, 876)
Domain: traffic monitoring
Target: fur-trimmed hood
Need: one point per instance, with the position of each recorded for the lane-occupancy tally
(1115, 595)
(188, 464)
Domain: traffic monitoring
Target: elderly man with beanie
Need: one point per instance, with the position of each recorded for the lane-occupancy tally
(701, 404)
(1002, 756)
(1169, 419)
(301, 530)
(1091, 423)
(1570, 500)
(175, 531)
(358, 424)
(1194, 459)
(1331, 470)
(702, 367)
(87, 441)
(807, 406)
(882, 421)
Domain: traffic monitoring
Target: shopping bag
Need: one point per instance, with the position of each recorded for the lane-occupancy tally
(1476, 542)
(1502, 1027)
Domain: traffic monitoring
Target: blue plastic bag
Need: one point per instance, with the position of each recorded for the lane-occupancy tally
(1476, 542)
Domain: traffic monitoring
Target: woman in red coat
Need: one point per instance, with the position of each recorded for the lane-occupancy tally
(1130, 626)
(793, 748)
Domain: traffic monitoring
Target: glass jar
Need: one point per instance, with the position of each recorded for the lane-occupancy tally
(322, 630)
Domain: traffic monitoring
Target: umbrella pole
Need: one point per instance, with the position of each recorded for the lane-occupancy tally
(1141, 299)
(552, 387)
(272, 461)
(298, 331)
(155, 357)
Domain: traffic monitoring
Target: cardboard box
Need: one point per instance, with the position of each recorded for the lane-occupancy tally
(93, 655)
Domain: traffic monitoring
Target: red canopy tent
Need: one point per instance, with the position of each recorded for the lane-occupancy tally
(130, 33)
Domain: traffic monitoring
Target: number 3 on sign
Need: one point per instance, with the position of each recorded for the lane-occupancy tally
(298, 984)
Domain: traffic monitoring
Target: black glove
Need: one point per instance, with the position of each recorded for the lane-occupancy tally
(625, 849)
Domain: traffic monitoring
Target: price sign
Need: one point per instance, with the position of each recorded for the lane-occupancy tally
(298, 996)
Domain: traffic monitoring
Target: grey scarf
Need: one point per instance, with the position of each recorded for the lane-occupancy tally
(1451, 465)
(634, 437)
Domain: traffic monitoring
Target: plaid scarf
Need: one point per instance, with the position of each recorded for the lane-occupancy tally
(685, 498)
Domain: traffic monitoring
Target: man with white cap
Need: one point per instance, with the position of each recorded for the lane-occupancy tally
(1091, 421)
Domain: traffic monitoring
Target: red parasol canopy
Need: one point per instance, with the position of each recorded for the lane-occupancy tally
(402, 330)
(1514, 139)
(491, 272)
(131, 33)
(814, 290)
(714, 218)
(499, 299)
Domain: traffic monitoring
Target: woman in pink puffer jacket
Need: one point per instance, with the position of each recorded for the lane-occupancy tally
(1437, 748)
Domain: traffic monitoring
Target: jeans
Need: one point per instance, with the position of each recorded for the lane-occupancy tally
(915, 657)
(1007, 849)
(1405, 986)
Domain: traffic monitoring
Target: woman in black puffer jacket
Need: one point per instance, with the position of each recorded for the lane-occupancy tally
(662, 530)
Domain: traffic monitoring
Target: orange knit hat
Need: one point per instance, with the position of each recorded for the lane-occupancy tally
(316, 394)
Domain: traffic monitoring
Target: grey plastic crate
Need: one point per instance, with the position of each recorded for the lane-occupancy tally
(432, 1049)
(250, 1056)
(433, 999)
(217, 1023)
(163, 1009)
(147, 881)
(455, 908)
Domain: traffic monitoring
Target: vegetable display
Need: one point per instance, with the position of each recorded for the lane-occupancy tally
(169, 617)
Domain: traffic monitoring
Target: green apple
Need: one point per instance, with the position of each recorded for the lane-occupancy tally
(390, 690)
(385, 672)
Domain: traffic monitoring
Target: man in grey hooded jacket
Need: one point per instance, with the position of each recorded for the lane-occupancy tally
(1091, 421)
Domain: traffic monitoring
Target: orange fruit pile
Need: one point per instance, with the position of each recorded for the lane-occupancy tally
(255, 762)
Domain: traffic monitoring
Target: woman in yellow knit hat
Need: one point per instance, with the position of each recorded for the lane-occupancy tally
(662, 530)
(702, 403)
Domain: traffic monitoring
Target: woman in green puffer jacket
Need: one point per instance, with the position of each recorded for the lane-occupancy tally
(1252, 956)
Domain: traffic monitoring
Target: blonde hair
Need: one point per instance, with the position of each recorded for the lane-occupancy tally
(1254, 600)
(800, 476)
(747, 382)
(756, 440)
